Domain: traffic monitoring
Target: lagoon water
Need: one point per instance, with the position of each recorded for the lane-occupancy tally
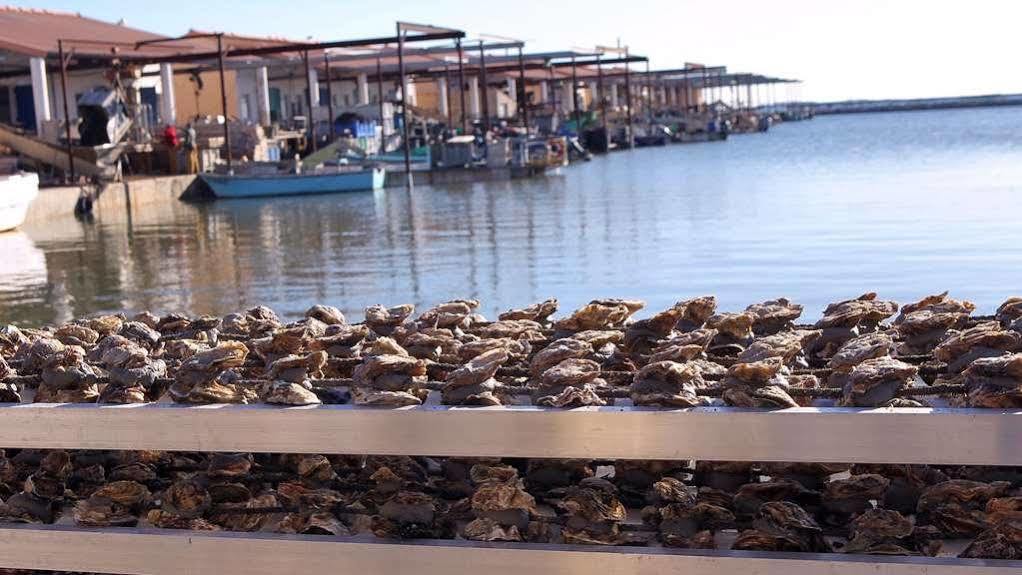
(904, 204)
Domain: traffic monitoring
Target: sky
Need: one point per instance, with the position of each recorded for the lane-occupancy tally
(864, 49)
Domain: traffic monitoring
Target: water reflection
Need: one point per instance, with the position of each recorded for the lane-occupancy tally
(905, 204)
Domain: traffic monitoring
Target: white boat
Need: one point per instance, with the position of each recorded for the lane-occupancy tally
(17, 191)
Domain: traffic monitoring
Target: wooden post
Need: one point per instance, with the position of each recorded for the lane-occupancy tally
(574, 98)
(523, 105)
(308, 96)
(484, 87)
(599, 90)
(329, 97)
(379, 94)
(630, 139)
(67, 116)
(406, 118)
(461, 86)
(223, 98)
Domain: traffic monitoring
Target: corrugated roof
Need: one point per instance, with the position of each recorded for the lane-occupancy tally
(33, 32)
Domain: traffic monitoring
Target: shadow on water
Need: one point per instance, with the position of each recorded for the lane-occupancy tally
(904, 204)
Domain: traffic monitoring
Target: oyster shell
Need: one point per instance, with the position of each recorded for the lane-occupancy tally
(986, 339)
(735, 326)
(600, 314)
(289, 393)
(186, 499)
(1002, 540)
(874, 382)
(558, 351)
(326, 314)
(1010, 311)
(383, 320)
(751, 496)
(515, 329)
(449, 314)
(594, 513)
(667, 384)
(923, 330)
(859, 349)
(865, 311)
(537, 312)
(782, 526)
(958, 507)
(938, 303)
(486, 529)
(786, 345)
(995, 382)
(479, 369)
(683, 347)
(773, 316)
(854, 494)
(313, 523)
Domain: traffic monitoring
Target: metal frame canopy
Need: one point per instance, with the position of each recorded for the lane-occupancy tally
(141, 54)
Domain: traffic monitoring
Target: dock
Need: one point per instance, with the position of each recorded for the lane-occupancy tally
(419, 87)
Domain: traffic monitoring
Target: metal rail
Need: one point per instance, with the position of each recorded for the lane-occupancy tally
(168, 552)
(886, 435)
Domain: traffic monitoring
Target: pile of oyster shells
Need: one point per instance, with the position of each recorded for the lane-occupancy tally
(795, 507)
(863, 352)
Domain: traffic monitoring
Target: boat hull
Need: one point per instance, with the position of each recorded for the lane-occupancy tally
(16, 194)
(225, 186)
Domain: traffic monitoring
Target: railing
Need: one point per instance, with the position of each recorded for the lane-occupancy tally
(923, 436)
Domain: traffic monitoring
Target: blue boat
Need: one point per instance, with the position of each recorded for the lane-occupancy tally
(257, 186)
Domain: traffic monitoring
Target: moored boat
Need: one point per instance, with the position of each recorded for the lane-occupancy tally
(17, 191)
(251, 186)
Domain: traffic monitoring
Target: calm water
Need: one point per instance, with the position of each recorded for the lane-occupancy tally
(903, 204)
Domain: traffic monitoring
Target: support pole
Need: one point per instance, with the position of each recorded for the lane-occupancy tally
(263, 96)
(702, 89)
(599, 92)
(461, 86)
(485, 87)
(405, 116)
(223, 98)
(574, 98)
(67, 117)
(629, 139)
(362, 87)
(379, 93)
(446, 96)
(40, 92)
(329, 98)
(168, 108)
(523, 104)
(649, 95)
(311, 127)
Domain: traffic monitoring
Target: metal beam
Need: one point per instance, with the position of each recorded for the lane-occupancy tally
(859, 435)
(291, 48)
(171, 552)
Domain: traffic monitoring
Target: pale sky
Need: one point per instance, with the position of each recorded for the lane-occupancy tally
(841, 50)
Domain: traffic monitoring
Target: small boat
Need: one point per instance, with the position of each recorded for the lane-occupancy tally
(258, 185)
(687, 138)
(17, 191)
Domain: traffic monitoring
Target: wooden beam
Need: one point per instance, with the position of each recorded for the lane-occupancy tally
(906, 435)
(171, 552)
